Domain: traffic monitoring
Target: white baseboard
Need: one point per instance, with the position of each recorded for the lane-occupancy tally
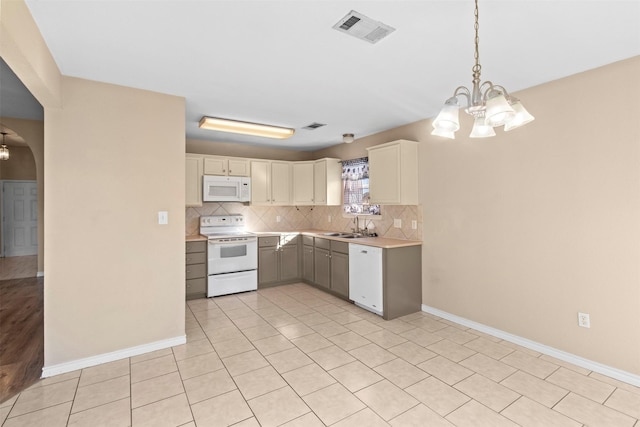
(609, 371)
(40, 274)
(49, 371)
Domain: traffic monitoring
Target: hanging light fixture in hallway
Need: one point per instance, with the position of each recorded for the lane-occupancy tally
(489, 104)
(4, 150)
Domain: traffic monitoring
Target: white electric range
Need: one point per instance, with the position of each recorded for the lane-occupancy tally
(232, 255)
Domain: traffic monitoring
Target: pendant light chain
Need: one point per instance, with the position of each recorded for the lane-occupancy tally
(476, 55)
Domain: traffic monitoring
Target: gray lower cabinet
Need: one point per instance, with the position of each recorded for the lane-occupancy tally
(307, 261)
(289, 262)
(322, 267)
(196, 269)
(277, 259)
(331, 259)
(325, 264)
(340, 273)
(267, 263)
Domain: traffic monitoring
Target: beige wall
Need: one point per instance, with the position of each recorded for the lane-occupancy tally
(32, 131)
(20, 166)
(199, 146)
(114, 278)
(524, 230)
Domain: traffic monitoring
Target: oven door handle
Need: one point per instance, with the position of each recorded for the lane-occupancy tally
(233, 242)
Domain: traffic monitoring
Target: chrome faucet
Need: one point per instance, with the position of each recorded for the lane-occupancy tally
(357, 225)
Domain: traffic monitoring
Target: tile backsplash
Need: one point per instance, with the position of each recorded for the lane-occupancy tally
(292, 218)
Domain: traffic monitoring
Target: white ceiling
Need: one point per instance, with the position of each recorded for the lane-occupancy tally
(280, 62)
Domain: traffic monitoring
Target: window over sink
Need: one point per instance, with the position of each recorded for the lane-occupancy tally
(355, 188)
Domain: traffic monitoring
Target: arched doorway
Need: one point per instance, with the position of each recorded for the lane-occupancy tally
(21, 276)
(18, 209)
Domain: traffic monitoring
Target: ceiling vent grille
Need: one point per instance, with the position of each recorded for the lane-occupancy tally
(314, 126)
(363, 27)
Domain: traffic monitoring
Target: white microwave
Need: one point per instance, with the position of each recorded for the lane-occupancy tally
(226, 188)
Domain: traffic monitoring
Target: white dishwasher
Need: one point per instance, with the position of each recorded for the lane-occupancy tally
(365, 277)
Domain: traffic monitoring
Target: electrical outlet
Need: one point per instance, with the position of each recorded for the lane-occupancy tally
(329, 218)
(397, 223)
(414, 224)
(278, 218)
(583, 320)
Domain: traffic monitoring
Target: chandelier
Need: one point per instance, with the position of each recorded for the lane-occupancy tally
(490, 105)
(4, 150)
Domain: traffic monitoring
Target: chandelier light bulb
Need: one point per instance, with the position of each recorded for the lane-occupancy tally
(481, 129)
(447, 121)
(498, 111)
(522, 117)
(443, 133)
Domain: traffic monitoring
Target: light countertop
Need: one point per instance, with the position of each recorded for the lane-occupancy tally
(196, 238)
(380, 242)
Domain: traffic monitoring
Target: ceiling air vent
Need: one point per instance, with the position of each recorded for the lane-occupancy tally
(314, 126)
(363, 27)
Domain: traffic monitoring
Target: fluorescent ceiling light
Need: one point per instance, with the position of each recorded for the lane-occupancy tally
(246, 128)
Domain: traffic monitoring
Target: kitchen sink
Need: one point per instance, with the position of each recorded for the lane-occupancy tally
(344, 235)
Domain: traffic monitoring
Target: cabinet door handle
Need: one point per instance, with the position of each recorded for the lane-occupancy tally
(364, 252)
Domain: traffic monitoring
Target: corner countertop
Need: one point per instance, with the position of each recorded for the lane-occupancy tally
(380, 242)
(196, 238)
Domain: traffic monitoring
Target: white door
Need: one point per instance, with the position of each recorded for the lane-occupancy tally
(20, 218)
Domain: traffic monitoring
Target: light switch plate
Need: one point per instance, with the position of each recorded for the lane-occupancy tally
(163, 217)
(397, 223)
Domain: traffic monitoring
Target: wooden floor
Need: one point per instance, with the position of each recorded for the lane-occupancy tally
(18, 266)
(21, 334)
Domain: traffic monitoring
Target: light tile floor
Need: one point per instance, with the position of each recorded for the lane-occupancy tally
(296, 356)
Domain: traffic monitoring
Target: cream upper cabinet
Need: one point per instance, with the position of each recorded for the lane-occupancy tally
(231, 166)
(327, 182)
(302, 183)
(215, 165)
(270, 182)
(193, 179)
(280, 183)
(260, 182)
(393, 173)
(239, 167)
